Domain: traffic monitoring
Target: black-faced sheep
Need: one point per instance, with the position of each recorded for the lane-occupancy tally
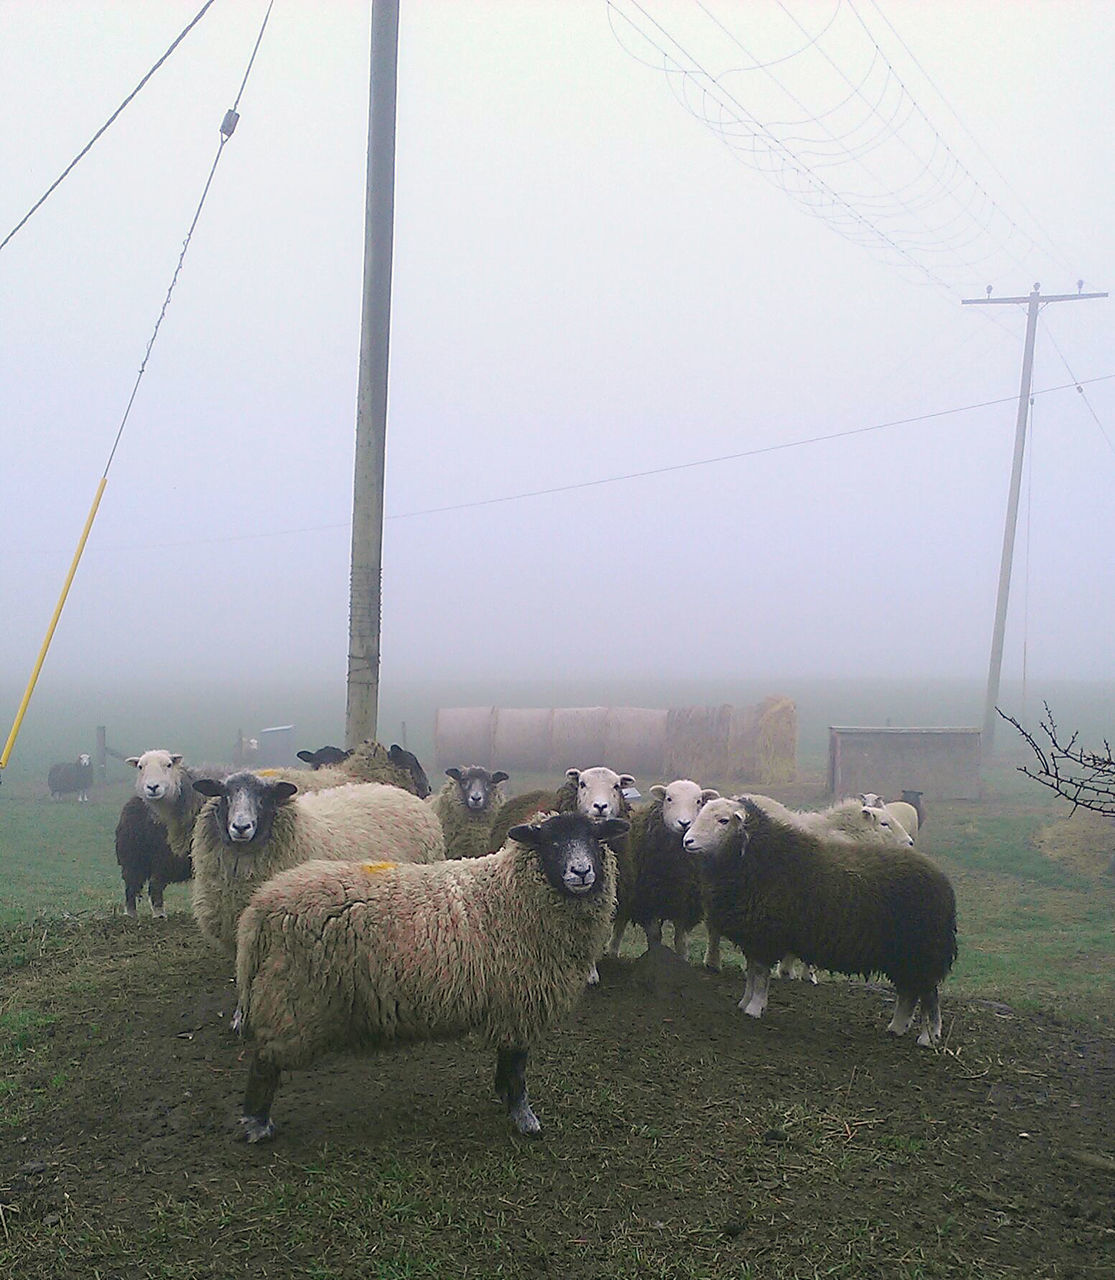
(254, 827)
(466, 806)
(75, 775)
(852, 907)
(371, 761)
(325, 755)
(371, 954)
(658, 880)
(146, 858)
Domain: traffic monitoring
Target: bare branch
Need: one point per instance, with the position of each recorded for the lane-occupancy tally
(1084, 777)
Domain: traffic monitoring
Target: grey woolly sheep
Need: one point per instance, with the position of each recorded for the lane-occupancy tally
(466, 806)
(253, 827)
(658, 880)
(75, 775)
(367, 955)
(852, 907)
(146, 858)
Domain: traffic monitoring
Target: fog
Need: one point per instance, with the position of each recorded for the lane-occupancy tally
(589, 282)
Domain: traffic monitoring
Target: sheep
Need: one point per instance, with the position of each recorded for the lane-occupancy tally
(914, 798)
(657, 880)
(596, 792)
(905, 811)
(324, 755)
(165, 784)
(372, 762)
(853, 907)
(75, 775)
(146, 858)
(253, 827)
(466, 806)
(351, 955)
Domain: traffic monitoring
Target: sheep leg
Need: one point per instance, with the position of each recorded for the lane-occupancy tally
(712, 949)
(653, 930)
(930, 1019)
(155, 888)
(263, 1080)
(593, 979)
(617, 934)
(903, 1014)
(131, 893)
(758, 983)
(681, 941)
(511, 1085)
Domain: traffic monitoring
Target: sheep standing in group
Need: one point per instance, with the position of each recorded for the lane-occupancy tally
(598, 792)
(165, 783)
(466, 806)
(373, 762)
(848, 906)
(370, 954)
(146, 858)
(324, 755)
(70, 776)
(254, 827)
(658, 880)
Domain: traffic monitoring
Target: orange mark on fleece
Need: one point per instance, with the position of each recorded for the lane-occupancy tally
(377, 868)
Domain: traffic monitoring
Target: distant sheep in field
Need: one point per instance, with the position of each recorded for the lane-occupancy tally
(466, 806)
(367, 955)
(325, 755)
(253, 827)
(76, 775)
(146, 858)
(658, 880)
(373, 762)
(851, 907)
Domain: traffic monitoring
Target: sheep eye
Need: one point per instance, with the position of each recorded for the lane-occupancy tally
(584, 786)
(723, 821)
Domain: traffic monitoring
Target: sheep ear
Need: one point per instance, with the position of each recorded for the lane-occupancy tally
(573, 775)
(610, 828)
(395, 753)
(499, 776)
(526, 833)
(626, 780)
(132, 760)
(659, 792)
(453, 773)
(709, 794)
(210, 787)
(308, 756)
(284, 791)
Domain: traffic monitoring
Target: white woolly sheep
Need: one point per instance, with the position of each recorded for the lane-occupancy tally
(253, 827)
(146, 858)
(367, 955)
(467, 806)
(658, 881)
(597, 793)
(74, 775)
(166, 785)
(852, 907)
(903, 811)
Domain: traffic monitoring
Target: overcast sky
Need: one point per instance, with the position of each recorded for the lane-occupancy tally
(602, 266)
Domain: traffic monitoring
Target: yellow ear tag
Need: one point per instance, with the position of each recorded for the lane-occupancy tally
(377, 868)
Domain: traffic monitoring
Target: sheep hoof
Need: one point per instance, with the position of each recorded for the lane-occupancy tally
(711, 967)
(256, 1129)
(754, 1009)
(926, 1040)
(158, 913)
(237, 1018)
(525, 1120)
(593, 979)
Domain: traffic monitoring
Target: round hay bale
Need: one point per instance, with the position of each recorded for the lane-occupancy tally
(463, 736)
(635, 740)
(521, 738)
(579, 734)
(776, 738)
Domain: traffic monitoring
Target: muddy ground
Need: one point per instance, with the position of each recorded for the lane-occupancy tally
(680, 1137)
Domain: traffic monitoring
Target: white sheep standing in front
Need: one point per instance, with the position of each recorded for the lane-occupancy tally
(467, 806)
(254, 827)
(350, 955)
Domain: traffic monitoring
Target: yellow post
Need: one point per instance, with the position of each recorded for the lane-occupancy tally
(53, 623)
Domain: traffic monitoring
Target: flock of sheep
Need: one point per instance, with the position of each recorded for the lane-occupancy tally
(362, 911)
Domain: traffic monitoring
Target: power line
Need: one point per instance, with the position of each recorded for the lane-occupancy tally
(1080, 388)
(88, 146)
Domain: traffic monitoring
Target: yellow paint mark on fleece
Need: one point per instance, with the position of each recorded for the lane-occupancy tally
(377, 868)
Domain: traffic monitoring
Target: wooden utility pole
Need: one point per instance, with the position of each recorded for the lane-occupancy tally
(1034, 302)
(371, 400)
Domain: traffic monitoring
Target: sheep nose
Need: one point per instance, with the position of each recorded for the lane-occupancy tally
(601, 807)
(689, 843)
(242, 830)
(683, 824)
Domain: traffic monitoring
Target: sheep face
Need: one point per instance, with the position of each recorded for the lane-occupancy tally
(244, 814)
(84, 759)
(158, 776)
(476, 787)
(682, 800)
(600, 791)
(718, 825)
(884, 827)
(569, 849)
(871, 800)
(401, 758)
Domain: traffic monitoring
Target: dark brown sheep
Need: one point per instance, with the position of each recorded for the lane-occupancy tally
(851, 907)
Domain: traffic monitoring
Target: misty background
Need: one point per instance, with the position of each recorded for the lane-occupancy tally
(630, 238)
